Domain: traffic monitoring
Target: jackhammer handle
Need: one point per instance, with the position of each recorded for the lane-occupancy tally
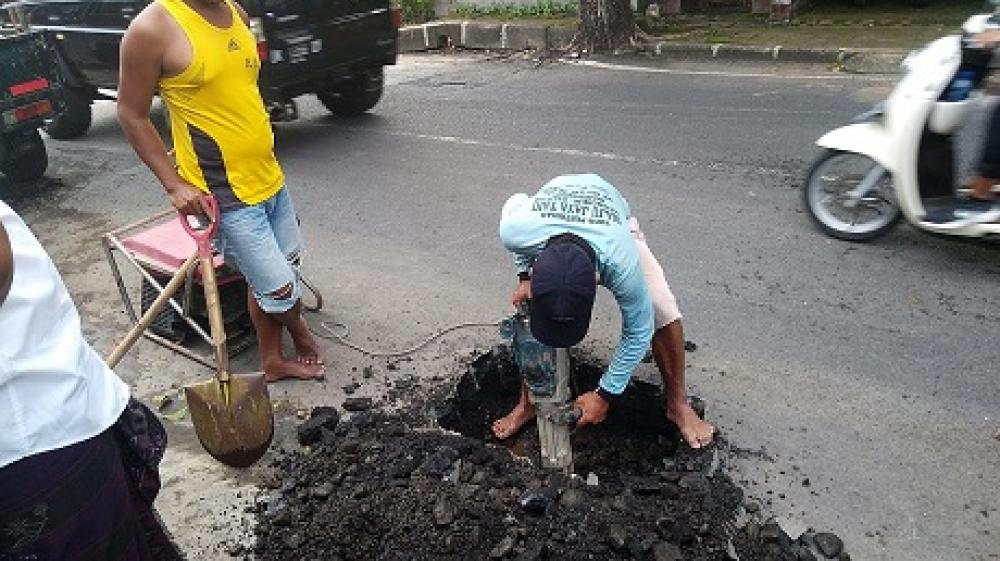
(574, 416)
(524, 308)
(569, 416)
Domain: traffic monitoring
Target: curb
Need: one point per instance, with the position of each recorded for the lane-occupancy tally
(514, 36)
(476, 35)
(862, 61)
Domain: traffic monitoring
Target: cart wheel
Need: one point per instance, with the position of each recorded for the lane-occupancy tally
(318, 305)
(31, 160)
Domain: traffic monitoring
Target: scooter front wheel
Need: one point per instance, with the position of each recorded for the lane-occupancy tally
(850, 196)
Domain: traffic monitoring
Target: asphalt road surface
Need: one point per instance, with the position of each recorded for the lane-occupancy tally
(868, 369)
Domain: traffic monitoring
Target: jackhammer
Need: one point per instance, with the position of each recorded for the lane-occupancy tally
(545, 371)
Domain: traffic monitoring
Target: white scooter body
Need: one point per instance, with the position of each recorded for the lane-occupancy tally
(894, 141)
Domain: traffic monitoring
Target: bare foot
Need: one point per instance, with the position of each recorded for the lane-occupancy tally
(308, 358)
(508, 426)
(307, 350)
(695, 431)
(284, 369)
(982, 188)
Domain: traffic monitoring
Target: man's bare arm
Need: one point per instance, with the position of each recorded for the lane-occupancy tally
(6, 265)
(142, 52)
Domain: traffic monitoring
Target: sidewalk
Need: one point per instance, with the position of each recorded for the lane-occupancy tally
(855, 40)
(518, 36)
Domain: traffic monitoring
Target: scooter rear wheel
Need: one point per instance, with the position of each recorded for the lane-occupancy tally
(831, 196)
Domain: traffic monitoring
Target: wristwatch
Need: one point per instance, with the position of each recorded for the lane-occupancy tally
(611, 398)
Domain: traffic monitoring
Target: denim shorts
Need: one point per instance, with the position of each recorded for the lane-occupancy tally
(263, 241)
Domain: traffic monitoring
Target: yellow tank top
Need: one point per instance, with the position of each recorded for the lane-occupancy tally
(221, 132)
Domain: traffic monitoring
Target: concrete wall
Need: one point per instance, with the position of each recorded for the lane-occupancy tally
(483, 35)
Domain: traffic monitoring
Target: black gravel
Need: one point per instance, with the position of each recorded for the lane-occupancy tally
(399, 486)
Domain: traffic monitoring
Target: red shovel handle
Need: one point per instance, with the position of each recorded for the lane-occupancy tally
(203, 235)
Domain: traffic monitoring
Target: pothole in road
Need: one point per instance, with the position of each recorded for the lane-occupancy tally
(393, 486)
(635, 440)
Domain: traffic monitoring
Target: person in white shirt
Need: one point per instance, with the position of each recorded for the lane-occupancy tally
(77, 457)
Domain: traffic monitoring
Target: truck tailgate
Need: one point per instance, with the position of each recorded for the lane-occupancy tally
(308, 38)
(89, 32)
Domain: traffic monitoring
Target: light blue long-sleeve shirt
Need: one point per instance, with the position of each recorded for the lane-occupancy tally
(590, 207)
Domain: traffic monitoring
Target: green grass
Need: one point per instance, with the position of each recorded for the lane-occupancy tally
(543, 9)
(416, 11)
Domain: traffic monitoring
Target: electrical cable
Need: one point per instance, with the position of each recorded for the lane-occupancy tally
(341, 338)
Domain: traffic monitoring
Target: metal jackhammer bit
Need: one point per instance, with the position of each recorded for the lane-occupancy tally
(545, 371)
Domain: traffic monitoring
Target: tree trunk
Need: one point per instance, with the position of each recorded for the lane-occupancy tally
(605, 25)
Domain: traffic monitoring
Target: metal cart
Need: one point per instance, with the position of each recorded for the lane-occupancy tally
(156, 247)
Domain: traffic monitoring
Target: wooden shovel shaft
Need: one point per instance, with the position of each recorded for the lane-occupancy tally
(154, 310)
(215, 319)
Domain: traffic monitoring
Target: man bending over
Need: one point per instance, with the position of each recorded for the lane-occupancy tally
(575, 233)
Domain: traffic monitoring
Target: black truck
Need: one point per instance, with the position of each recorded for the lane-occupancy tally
(335, 49)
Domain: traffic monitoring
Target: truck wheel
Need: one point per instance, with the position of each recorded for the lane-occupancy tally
(73, 122)
(31, 163)
(354, 96)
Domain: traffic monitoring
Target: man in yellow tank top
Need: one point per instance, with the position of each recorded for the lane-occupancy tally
(202, 57)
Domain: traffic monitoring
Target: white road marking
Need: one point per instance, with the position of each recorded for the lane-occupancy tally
(573, 152)
(722, 73)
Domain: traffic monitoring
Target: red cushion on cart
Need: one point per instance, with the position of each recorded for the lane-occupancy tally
(164, 247)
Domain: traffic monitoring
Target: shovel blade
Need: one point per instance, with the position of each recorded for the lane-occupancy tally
(237, 428)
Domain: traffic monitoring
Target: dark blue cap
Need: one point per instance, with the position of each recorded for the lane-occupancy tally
(563, 287)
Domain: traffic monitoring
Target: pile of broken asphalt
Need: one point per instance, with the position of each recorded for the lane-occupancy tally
(406, 485)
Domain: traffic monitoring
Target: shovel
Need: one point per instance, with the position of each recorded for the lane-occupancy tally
(176, 282)
(232, 413)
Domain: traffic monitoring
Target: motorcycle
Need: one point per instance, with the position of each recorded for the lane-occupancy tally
(897, 160)
(31, 92)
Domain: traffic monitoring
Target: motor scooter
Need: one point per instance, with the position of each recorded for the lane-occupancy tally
(897, 160)
(32, 92)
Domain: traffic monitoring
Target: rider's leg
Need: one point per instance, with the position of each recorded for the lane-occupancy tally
(988, 168)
